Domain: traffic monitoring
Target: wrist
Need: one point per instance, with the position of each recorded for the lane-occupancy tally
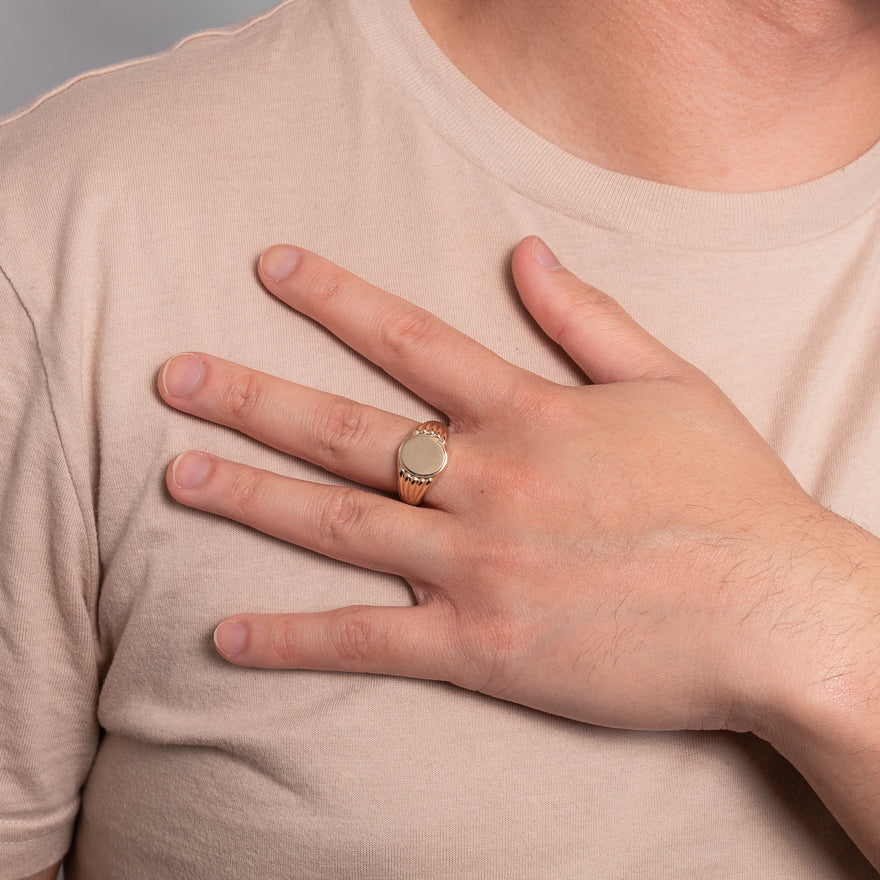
(818, 699)
(814, 645)
(823, 637)
(826, 721)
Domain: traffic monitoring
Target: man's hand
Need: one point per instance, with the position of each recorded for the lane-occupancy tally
(628, 553)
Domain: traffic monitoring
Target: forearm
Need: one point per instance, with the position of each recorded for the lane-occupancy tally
(842, 765)
(828, 722)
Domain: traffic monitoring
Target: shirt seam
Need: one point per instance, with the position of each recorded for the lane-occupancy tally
(69, 810)
(429, 122)
(428, 119)
(230, 31)
(88, 526)
(29, 840)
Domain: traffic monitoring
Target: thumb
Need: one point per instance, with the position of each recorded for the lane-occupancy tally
(605, 342)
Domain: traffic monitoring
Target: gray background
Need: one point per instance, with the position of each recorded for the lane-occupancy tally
(45, 42)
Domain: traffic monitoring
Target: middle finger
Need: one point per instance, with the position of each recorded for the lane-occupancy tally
(442, 365)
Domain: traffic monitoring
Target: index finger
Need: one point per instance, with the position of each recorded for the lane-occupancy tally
(434, 360)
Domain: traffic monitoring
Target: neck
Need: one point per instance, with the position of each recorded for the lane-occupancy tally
(732, 95)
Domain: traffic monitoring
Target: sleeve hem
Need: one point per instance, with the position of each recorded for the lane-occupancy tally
(22, 858)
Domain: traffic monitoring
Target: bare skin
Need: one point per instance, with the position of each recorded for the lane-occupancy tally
(644, 560)
(671, 578)
(730, 95)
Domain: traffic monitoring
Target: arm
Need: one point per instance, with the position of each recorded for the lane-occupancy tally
(829, 725)
(48, 593)
(629, 553)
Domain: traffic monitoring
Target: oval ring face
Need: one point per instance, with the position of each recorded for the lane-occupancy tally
(423, 455)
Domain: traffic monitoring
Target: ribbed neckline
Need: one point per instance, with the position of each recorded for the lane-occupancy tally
(675, 216)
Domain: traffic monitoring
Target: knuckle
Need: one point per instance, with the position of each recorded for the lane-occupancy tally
(531, 401)
(502, 639)
(340, 515)
(241, 396)
(342, 427)
(247, 490)
(520, 399)
(587, 296)
(354, 637)
(281, 643)
(328, 283)
(493, 651)
(588, 304)
(408, 329)
(654, 364)
(499, 561)
(591, 306)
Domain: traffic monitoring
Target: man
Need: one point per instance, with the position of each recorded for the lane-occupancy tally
(683, 160)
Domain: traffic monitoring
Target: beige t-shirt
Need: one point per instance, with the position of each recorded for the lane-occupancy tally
(133, 205)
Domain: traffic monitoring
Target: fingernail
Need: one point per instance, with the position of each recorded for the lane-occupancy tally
(544, 255)
(230, 637)
(279, 261)
(181, 374)
(190, 469)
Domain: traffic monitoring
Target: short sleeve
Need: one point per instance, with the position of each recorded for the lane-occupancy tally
(48, 575)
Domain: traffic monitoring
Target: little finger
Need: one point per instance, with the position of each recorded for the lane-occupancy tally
(406, 641)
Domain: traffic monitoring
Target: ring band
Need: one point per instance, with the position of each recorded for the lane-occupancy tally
(420, 459)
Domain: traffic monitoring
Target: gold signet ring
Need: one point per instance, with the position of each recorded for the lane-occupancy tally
(420, 460)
